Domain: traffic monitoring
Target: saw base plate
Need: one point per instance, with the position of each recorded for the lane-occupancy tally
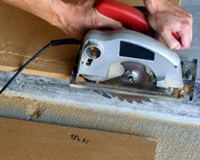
(189, 69)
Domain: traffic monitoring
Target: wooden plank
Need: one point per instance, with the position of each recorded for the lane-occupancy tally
(28, 140)
(23, 34)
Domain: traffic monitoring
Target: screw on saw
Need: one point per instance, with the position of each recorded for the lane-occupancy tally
(132, 76)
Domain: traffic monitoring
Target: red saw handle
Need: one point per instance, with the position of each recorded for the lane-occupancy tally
(125, 14)
(128, 15)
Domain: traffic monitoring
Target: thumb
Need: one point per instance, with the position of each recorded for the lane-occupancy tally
(171, 41)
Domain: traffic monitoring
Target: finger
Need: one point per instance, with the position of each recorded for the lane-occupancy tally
(191, 29)
(185, 35)
(191, 34)
(170, 40)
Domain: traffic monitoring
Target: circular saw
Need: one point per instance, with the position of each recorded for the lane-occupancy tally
(131, 63)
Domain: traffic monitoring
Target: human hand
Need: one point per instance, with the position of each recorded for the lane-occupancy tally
(77, 19)
(166, 18)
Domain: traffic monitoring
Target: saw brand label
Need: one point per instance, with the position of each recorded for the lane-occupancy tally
(134, 51)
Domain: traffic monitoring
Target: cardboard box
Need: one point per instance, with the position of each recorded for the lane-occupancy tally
(27, 140)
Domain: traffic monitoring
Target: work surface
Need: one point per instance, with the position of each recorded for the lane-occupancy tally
(58, 62)
(174, 124)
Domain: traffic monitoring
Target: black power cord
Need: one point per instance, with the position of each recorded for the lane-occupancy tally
(51, 44)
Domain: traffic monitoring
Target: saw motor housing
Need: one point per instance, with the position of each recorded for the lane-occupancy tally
(130, 57)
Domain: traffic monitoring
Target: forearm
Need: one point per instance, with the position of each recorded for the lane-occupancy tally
(44, 9)
(74, 19)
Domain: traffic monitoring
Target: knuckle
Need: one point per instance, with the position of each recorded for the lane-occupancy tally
(163, 32)
(189, 19)
(190, 15)
(164, 29)
(185, 23)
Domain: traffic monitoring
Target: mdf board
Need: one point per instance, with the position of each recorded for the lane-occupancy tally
(23, 34)
(27, 140)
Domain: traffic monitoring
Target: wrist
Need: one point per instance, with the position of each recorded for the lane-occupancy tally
(154, 6)
(55, 18)
(60, 9)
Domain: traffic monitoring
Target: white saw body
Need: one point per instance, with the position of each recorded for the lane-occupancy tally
(133, 62)
(128, 46)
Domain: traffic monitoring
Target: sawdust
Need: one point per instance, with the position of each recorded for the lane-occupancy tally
(180, 92)
(35, 111)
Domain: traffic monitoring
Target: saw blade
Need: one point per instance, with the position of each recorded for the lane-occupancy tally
(130, 98)
(122, 97)
(135, 76)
